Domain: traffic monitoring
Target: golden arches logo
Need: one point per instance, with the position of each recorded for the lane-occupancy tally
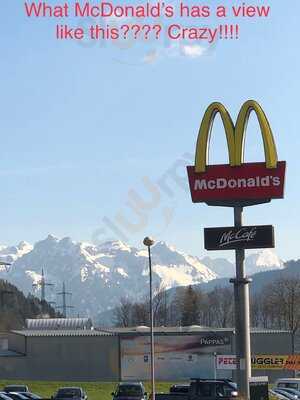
(235, 135)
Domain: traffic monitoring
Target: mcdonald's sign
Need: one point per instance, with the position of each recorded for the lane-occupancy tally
(236, 181)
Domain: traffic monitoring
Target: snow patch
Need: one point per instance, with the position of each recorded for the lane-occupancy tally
(267, 258)
(122, 272)
(182, 275)
(84, 274)
(36, 278)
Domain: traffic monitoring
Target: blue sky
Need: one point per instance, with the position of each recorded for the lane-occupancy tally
(82, 125)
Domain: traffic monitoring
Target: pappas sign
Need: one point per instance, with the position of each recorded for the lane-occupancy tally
(236, 181)
(214, 340)
(245, 237)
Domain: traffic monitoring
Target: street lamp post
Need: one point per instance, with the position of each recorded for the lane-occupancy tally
(148, 242)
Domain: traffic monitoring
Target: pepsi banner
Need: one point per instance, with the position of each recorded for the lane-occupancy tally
(245, 237)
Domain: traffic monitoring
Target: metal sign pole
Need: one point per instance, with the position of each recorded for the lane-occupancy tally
(151, 330)
(215, 365)
(242, 320)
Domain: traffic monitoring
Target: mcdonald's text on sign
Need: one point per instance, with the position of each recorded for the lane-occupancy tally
(236, 181)
(250, 181)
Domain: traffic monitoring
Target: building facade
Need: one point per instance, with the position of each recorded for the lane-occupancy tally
(116, 354)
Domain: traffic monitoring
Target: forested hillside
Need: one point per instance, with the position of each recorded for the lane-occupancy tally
(15, 307)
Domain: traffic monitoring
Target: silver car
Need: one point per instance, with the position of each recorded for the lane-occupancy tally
(70, 393)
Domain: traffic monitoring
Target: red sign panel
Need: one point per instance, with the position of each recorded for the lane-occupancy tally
(251, 181)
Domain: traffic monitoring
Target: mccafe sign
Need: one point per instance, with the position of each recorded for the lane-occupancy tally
(245, 237)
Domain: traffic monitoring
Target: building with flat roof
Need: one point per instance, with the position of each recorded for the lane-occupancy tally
(124, 353)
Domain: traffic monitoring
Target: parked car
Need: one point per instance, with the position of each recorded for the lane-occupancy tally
(206, 389)
(70, 393)
(130, 391)
(16, 388)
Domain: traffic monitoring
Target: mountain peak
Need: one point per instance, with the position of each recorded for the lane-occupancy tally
(114, 245)
(268, 257)
(52, 238)
(66, 241)
(164, 245)
(23, 244)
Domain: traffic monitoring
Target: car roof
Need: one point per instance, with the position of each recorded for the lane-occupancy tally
(131, 383)
(288, 379)
(211, 380)
(69, 387)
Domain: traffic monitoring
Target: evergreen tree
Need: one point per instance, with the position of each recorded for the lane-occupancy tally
(190, 307)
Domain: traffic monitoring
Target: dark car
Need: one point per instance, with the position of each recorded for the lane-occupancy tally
(130, 391)
(202, 389)
(16, 388)
(70, 393)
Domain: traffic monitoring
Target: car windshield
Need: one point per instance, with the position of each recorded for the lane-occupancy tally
(129, 390)
(287, 385)
(67, 393)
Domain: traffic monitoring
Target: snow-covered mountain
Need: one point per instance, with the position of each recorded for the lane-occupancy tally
(265, 260)
(10, 254)
(100, 275)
